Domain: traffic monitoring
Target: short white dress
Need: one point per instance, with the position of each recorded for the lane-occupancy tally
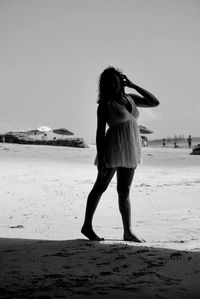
(122, 140)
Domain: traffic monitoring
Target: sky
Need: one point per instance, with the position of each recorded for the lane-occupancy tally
(53, 51)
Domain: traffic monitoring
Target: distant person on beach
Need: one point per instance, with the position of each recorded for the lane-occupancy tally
(189, 140)
(144, 143)
(175, 145)
(164, 142)
(118, 148)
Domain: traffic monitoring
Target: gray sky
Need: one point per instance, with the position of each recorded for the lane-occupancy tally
(52, 52)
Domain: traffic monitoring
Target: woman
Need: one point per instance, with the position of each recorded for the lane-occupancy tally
(118, 148)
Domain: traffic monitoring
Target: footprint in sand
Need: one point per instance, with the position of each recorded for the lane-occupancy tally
(60, 254)
(176, 255)
(142, 251)
(154, 264)
(43, 297)
(54, 276)
(138, 274)
(17, 226)
(105, 273)
(121, 257)
(103, 264)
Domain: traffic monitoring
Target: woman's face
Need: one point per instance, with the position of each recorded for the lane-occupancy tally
(116, 84)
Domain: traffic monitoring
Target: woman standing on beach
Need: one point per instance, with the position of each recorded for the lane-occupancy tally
(118, 148)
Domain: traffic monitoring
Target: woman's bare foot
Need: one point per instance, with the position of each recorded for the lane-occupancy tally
(90, 234)
(131, 237)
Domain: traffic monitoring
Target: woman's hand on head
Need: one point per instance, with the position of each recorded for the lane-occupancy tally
(126, 81)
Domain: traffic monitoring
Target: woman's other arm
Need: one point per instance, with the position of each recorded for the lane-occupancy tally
(145, 99)
(100, 135)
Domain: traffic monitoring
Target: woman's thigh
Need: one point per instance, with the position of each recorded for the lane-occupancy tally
(124, 179)
(103, 181)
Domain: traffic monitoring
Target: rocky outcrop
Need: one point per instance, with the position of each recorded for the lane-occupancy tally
(73, 142)
(196, 150)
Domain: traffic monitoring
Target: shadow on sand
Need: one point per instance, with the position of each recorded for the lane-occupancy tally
(83, 269)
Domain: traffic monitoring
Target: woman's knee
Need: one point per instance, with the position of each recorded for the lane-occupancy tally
(101, 184)
(124, 180)
(103, 181)
(123, 189)
(100, 187)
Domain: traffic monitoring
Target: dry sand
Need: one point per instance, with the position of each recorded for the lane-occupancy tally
(43, 191)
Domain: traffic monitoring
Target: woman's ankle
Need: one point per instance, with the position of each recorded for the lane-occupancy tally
(88, 232)
(87, 225)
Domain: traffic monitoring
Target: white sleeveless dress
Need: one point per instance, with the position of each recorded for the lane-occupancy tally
(122, 139)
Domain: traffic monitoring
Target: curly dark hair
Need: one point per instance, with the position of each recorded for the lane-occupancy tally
(111, 85)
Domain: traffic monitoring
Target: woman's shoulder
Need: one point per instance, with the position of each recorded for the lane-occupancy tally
(102, 109)
(102, 105)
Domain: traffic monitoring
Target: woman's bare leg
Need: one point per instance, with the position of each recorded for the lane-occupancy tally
(124, 180)
(100, 186)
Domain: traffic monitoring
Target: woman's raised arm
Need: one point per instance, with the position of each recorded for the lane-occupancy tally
(145, 99)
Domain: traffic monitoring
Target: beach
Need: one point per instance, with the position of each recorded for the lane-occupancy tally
(43, 192)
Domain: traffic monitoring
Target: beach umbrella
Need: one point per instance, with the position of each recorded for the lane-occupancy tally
(44, 129)
(62, 131)
(144, 130)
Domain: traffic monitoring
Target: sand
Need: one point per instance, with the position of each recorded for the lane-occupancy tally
(43, 191)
